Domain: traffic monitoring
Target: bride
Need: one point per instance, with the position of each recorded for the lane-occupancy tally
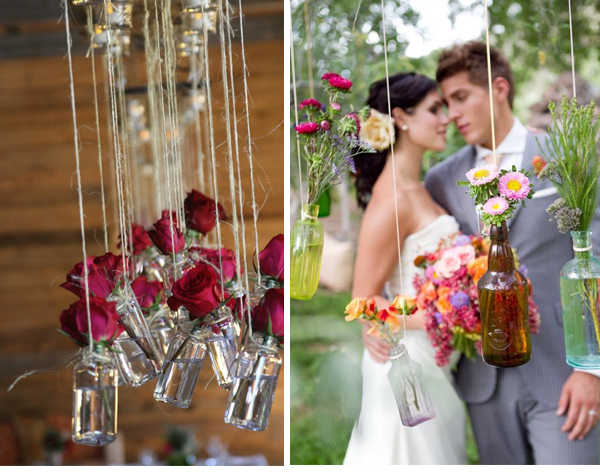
(420, 124)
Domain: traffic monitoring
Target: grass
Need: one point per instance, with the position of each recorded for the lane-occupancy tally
(326, 380)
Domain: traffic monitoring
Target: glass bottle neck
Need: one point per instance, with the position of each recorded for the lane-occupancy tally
(310, 211)
(501, 257)
(582, 244)
(397, 352)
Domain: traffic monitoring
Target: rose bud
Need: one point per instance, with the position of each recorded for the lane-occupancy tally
(271, 258)
(201, 212)
(146, 291)
(161, 234)
(270, 308)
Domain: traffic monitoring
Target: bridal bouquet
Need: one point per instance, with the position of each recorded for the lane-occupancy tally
(328, 137)
(386, 322)
(447, 294)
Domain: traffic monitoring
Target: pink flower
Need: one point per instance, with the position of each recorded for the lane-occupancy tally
(433, 275)
(308, 127)
(335, 106)
(354, 116)
(310, 102)
(448, 264)
(495, 206)
(482, 175)
(325, 125)
(514, 186)
(146, 291)
(465, 253)
(337, 81)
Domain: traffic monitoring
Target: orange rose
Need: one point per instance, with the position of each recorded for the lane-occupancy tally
(355, 308)
(428, 289)
(477, 268)
(405, 305)
(443, 304)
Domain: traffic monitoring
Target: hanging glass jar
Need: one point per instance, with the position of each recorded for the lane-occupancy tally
(182, 367)
(503, 304)
(255, 371)
(134, 367)
(135, 324)
(306, 251)
(95, 395)
(579, 279)
(162, 327)
(406, 379)
(221, 334)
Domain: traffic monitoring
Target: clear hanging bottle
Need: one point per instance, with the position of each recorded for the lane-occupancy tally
(162, 327)
(221, 334)
(503, 304)
(256, 370)
(406, 379)
(134, 367)
(95, 398)
(306, 251)
(579, 289)
(177, 381)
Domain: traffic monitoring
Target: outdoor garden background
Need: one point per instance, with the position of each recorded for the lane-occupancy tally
(344, 36)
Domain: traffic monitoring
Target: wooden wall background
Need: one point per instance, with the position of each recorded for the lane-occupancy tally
(40, 242)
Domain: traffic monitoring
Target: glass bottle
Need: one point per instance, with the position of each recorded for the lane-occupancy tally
(406, 380)
(221, 336)
(503, 304)
(580, 304)
(256, 370)
(306, 251)
(134, 367)
(95, 395)
(162, 328)
(181, 369)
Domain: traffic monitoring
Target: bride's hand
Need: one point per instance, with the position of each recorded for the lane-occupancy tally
(377, 347)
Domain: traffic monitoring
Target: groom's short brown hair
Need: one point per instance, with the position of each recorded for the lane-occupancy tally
(471, 57)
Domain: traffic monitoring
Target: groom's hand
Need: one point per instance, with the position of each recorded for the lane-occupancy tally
(580, 398)
(378, 349)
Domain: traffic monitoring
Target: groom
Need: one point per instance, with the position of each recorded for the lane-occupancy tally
(542, 412)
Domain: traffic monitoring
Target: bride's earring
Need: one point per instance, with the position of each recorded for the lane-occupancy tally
(404, 127)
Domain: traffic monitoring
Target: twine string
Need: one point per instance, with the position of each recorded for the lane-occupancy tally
(490, 89)
(294, 90)
(572, 51)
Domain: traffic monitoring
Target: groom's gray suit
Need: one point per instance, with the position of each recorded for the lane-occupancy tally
(513, 410)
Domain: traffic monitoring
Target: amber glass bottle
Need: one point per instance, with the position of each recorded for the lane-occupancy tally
(503, 293)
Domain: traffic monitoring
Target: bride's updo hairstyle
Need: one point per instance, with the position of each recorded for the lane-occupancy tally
(407, 89)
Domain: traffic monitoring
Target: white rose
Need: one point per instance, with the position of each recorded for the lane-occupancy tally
(378, 131)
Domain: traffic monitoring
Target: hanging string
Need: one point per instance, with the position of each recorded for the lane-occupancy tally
(196, 110)
(78, 174)
(311, 85)
(296, 116)
(572, 51)
(211, 135)
(394, 178)
(226, 87)
(90, 27)
(250, 156)
(490, 89)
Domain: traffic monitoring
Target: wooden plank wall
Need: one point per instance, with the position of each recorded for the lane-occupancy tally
(39, 243)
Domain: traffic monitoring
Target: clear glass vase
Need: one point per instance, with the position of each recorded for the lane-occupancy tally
(135, 324)
(406, 380)
(162, 328)
(134, 367)
(95, 395)
(579, 289)
(177, 381)
(221, 334)
(503, 304)
(256, 370)
(306, 251)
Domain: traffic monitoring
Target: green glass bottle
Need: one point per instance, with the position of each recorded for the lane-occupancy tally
(503, 294)
(580, 304)
(306, 250)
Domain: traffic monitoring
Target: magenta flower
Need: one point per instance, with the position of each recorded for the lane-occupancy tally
(514, 186)
(337, 81)
(335, 106)
(308, 127)
(482, 175)
(495, 206)
(325, 125)
(310, 102)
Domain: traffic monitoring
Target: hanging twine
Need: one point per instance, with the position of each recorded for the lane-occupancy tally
(572, 51)
(394, 178)
(311, 85)
(199, 142)
(296, 116)
(490, 89)
(90, 27)
(78, 174)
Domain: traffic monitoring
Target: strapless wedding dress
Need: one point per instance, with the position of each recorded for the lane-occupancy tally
(378, 436)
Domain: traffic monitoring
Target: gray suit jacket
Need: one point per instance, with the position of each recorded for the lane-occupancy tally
(543, 250)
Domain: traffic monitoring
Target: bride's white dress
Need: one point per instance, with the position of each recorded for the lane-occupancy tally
(378, 436)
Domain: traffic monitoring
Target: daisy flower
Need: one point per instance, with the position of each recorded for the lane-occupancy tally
(514, 186)
(495, 206)
(482, 175)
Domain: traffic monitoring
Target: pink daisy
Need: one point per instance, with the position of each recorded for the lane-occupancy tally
(310, 102)
(307, 127)
(495, 206)
(514, 186)
(482, 175)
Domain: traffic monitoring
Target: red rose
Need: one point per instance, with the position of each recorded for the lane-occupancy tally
(196, 291)
(161, 234)
(110, 266)
(141, 240)
(105, 320)
(308, 127)
(201, 212)
(212, 255)
(270, 308)
(98, 283)
(145, 291)
(271, 258)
